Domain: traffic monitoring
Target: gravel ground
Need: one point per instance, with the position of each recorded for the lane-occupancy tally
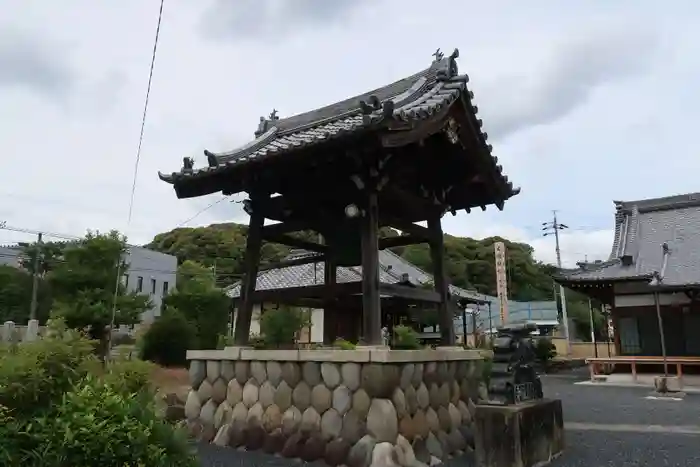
(602, 407)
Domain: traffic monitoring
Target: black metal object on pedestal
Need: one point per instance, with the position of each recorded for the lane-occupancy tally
(513, 375)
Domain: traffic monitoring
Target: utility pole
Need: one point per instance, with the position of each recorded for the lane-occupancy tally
(35, 278)
(553, 228)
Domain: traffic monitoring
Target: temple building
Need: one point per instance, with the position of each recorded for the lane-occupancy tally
(407, 152)
(651, 282)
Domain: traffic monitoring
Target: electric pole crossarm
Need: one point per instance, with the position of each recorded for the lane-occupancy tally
(553, 228)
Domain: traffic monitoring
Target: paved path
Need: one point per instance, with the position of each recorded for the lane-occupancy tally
(621, 427)
(606, 426)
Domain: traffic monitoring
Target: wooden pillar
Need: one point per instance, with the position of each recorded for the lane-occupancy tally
(437, 253)
(330, 315)
(371, 302)
(251, 265)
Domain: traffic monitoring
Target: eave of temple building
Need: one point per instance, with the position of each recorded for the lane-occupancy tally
(420, 133)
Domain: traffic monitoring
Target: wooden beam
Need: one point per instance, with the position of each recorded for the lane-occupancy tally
(410, 205)
(409, 228)
(282, 228)
(296, 242)
(401, 240)
(371, 299)
(409, 293)
(330, 314)
(251, 264)
(319, 291)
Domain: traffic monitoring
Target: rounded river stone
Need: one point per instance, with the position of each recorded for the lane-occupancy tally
(342, 399)
(311, 372)
(258, 371)
(360, 403)
(241, 371)
(213, 370)
(250, 393)
(274, 373)
(283, 396)
(350, 373)
(218, 391)
(382, 422)
(291, 373)
(330, 374)
(234, 392)
(331, 424)
(266, 394)
(291, 419)
(301, 396)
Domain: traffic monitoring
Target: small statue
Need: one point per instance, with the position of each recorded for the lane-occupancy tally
(187, 163)
(438, 55)
(273, 116)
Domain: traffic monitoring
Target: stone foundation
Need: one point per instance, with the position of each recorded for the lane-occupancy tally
(342, 406)
(522, 435)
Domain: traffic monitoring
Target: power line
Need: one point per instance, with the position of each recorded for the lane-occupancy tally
(202, 211)
(4, 226)
(136, 171)
(145, 111)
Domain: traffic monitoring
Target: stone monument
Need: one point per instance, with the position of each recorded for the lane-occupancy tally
(517, 426)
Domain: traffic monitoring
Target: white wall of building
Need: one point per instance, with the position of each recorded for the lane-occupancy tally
(316, 324)
(678, 298)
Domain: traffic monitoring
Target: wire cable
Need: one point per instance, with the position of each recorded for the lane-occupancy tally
(136, 173)
(201, 211)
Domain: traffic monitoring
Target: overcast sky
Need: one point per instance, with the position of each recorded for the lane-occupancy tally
(584, 101)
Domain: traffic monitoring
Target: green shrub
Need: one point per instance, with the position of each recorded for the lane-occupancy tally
(545, 350)
(167, 340)
(279, 327)
(33, 375)
(342, 344)
(224, 341)
(59, 407)
(129, 376)
(406, 338)
(97, 424)
(207, 310)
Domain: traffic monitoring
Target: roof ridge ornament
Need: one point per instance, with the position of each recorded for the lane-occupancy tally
(187, 164)
(372, 105)
(264, 123)
(447, 66)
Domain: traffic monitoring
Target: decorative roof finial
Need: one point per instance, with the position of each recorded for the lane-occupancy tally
(273, 115)
(449, 70)
(187, 163)
(438, 55)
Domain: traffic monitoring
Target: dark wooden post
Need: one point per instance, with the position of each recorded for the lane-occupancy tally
(437, 253)
(371, 303)
(330, 316)
(251, 265)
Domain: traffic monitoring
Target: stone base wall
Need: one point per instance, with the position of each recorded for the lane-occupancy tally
(343, 406)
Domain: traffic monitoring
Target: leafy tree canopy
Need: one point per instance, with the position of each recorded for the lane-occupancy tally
(83, 284)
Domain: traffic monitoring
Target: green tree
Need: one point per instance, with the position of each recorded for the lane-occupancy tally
(16, 296)
(50, 254)
(201, 302)
(193, 276)
(83, 285)
(168, 339)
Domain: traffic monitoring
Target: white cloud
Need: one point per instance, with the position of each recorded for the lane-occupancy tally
(585, 102)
